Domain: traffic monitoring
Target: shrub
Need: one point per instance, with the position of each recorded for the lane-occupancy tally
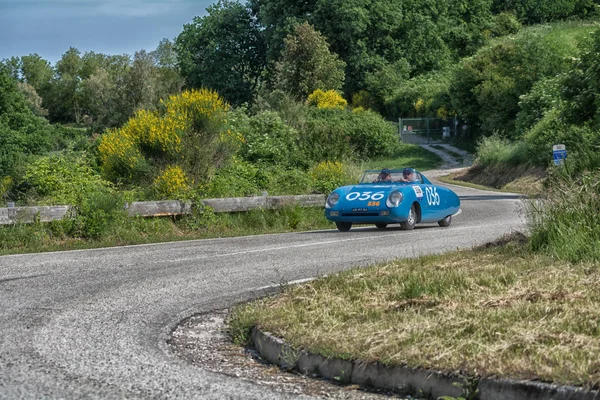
(328, 175)
(505, 23)
(60, 178)
(172, 183)
(496, 150)
(544, 96)
(190, 131)
(289, 182)
(238, 179)
(97, 213)
(268, 139)
(552, 129)
(330, 99)
(337, 135)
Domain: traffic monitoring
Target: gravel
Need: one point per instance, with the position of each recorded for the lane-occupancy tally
(203, 341)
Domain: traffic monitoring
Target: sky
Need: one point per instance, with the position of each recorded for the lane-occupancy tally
(50, 27)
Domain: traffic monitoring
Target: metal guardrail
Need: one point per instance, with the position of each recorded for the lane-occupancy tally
(164, 208)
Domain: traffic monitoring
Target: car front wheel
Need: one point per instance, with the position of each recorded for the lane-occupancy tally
(446, 221)
(343, 226)
(411, 220)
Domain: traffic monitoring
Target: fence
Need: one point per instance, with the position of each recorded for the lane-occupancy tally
(426, 130)
(15, 215)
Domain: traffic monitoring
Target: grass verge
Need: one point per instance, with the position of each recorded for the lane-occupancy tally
(501, 177)
(53, 236)
(409, 155)
(497, 311)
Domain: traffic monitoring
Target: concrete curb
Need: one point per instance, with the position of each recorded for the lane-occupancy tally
(404, 380)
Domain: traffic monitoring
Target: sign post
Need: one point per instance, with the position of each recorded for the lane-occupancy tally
(559, 153)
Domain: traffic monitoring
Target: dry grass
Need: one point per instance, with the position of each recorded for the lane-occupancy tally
(520, 179)
(495, 311)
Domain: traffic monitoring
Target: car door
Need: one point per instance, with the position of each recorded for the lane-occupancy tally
(431, 205)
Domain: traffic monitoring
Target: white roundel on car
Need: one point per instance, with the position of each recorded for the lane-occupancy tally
(418, 192)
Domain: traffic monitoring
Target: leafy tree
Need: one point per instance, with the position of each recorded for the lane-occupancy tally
(538, 11)
(307, 64)
(21, 132)
(486, 88)
(36, 72)
(223, 51)
(33, 99)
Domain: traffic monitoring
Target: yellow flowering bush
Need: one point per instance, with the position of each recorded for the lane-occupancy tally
(171, 183)
(189, 132)
(330, 99)
(328, 175)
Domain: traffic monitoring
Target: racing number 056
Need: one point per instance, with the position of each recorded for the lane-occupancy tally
(365, 196)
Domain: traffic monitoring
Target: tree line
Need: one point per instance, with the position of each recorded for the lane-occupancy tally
(364, 48)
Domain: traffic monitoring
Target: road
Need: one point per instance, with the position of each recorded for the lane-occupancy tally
(94, 323)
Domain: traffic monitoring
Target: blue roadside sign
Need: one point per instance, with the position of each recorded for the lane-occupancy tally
(559, 153)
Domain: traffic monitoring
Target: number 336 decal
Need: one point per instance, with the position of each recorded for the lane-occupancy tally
(365, 196)
(433, 197)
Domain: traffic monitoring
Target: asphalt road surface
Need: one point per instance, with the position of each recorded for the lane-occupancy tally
(94, 323)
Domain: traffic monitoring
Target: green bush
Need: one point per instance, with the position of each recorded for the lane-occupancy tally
(544, 96)
(505, 23)
(288, 182)
(552, 129)
(338, 135)
(268, 139)
(499, 150)
(61, 178)
(98, 212)
(329, 175)
(238, 179)
(486, 88)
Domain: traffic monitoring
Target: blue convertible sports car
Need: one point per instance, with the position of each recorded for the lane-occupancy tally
(386, 196)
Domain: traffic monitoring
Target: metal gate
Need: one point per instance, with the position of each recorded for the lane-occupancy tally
(426, 130)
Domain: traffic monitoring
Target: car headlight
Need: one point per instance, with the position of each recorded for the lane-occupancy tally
(394, 198)
(332, 200)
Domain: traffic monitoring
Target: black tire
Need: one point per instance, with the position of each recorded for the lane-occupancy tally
(381, 226)
(343, 226)
(446, 221)
(411, 221)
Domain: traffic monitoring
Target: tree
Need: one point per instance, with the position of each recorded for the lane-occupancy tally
(21, 132)
(36, 72)
(307, 64)
(224, 51)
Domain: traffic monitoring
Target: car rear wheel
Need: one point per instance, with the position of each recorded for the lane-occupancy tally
(343, 226)
(381, 226)
(411, 221)
(446, 221)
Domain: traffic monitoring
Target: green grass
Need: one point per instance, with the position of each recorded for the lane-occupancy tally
(407, 156)
(43, 237)
(500, 312)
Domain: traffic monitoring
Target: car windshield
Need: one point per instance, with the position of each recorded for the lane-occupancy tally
(389, 176)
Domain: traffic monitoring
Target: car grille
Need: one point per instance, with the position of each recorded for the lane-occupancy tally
(360, 214)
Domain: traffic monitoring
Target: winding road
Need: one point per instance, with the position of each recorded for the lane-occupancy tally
(95, 323)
